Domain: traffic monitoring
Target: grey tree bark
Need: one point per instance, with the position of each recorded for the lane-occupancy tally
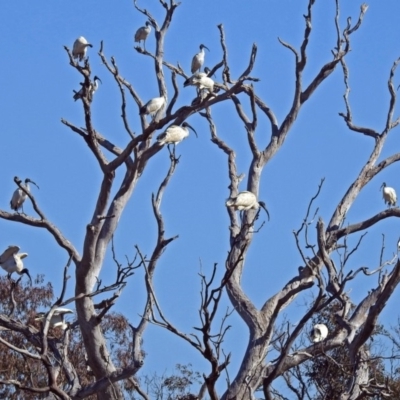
(257, 370)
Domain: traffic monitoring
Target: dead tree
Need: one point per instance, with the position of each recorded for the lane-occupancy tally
(320, 275)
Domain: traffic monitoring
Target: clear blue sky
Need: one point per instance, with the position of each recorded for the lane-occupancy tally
(36, 92)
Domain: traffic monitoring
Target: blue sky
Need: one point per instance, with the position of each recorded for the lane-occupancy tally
(37, 87)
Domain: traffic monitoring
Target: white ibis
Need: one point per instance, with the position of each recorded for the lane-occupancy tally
(203, 82)
(153, 106)
(92, 88)
(319, 333)
(198, 59)
(57, 319)
(19, 195)
(190, 81)
(11, 261)
(196, 76)
(175, 134)
(389, 195)
(142, 33)
(80, 47)
(245, 201)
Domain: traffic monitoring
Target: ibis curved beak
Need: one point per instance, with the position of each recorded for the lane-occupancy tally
(28, 180)
(205, 47)
(97, 78)
(25, 271)
(262, 204)
(191, 127)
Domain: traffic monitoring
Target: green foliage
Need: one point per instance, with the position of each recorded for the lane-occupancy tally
(177, 386)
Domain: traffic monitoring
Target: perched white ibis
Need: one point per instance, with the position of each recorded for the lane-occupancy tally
(142, 33)
(203, 82)
(389, 195)
(57, 319)
(319, 333)
(175, 134)
(196, 76)
(198, 59)
(92, 88)
(153, 106)
(80, 47)
(245, 201)
(11, 261)
(19, 196)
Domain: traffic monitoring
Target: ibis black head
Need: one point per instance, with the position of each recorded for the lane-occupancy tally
(27, 180)
(202, 46)
(96, 78)
(142, 110)
(383, 185)
(148, 23)
(207, 71)
(262, 204)
(186, 125)
(25, 271)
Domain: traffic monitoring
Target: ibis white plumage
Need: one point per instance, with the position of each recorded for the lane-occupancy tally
(203, 82)
(319, 333)
(198, 59)
(92, 88)
(80, 47)
(175, 134)
(57, 319)
(245, 201)
(19, 196)
(153, 106)
(196, 76)
(142, 33)
(11, 261)
(389, 195)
